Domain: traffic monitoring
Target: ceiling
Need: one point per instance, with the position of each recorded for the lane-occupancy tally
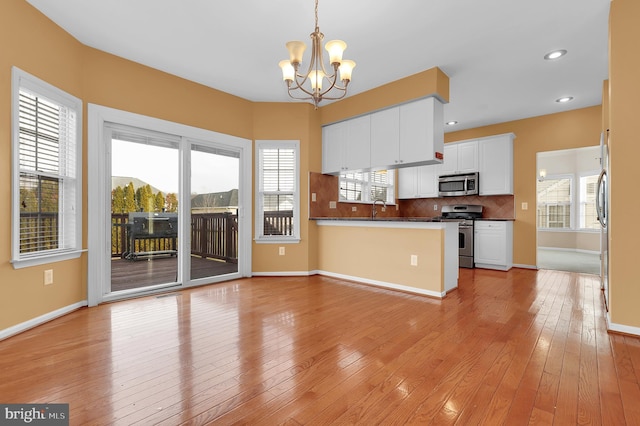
(492, 50)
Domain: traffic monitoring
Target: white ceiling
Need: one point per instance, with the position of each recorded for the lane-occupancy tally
(492, 50)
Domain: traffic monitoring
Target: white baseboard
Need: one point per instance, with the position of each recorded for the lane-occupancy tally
(575, 250)
(384, 284)
(619, 328)
(34, 322)
(519, 265)
(283, 274)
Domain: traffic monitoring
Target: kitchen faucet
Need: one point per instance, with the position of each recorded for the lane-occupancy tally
(373, 207)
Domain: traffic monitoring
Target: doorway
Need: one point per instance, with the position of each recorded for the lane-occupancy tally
(166, 206)
(568, 233)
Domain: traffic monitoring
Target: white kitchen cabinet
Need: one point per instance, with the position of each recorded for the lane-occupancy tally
(460, 157)
(407, 135)
(418, 182)
(496, 164)
(493, 244)
(346, 145)
(385, 137)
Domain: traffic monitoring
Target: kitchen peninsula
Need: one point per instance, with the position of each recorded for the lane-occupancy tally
(408, 254)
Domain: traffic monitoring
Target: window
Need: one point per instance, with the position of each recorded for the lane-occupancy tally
(366, 187)
(46, 167)
(554, 203)
(588, 213)
(277, 203)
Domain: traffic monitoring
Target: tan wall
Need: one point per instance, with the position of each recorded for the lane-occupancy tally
(571, 129)
(383, 254)
(426, 83)
(33, 44)
(290, 121)
(624, 151)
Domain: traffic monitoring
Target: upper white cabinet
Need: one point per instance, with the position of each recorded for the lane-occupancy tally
(418, 182)
(460, 157)
(495, 155)
(421, 133)
(385, 137)
(407, 135)
(346, 145)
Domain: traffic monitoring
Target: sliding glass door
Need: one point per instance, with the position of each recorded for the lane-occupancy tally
(169, 205)
(144, 209)
(214, 222)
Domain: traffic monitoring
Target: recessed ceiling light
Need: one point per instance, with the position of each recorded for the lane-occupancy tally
(564, 99)
(555, 54)
(451, 123)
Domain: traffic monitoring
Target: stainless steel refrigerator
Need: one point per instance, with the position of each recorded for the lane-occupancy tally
(602, 207)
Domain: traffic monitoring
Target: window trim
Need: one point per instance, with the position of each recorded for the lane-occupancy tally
(259, 214)
(23, 80)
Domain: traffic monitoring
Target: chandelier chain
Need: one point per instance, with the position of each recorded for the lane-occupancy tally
(316, 12)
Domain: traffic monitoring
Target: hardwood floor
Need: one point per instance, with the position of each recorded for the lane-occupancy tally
(522, 347)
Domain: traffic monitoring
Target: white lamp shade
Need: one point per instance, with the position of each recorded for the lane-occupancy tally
(296, 50)
(288, 72)
(315, 77)
(335, 49)
(346, 68)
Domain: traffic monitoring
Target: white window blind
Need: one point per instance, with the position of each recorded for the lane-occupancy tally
(46, 170)
(588, 213)
(554, 203)
(277, 213)
(367, 187)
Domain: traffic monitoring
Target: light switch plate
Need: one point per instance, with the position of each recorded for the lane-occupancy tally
(525, 206)
(332, 204)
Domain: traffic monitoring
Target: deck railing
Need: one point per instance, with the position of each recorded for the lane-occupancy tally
(213, 235)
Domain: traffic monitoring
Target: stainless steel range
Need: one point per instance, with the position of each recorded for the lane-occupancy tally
(464, 214)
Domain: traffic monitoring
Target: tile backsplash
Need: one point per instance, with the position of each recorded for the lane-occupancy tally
(325, 188)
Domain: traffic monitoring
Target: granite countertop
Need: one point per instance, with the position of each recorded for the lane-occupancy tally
(379, 219)
(403, 219)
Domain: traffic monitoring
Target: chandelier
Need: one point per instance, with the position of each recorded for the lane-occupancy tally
(317, 73)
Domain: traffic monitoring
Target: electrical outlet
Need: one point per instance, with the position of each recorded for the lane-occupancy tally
(48, 277)
(281, 251)
(525, 206)
(354, 209)
(435, 207)
(414, 260)
(332, 205)
(313, 197)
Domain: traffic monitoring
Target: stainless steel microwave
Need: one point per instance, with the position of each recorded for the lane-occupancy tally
(458, 185)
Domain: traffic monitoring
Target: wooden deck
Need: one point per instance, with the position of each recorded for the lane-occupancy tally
(128, 274)
(506, 348)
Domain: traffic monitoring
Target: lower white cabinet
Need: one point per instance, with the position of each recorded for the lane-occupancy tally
(493, 244)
